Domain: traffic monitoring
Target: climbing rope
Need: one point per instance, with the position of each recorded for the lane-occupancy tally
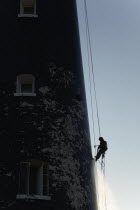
(92, 67)
(91, 97)
(102, 164)
(90, 61)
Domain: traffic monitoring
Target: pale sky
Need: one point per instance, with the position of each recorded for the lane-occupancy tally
(115, 37)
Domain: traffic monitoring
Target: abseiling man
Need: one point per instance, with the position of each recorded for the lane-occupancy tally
(101, 148)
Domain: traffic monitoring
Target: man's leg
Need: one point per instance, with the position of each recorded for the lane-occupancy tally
(98, 154)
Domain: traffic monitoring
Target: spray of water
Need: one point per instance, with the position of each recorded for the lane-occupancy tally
(106, 200)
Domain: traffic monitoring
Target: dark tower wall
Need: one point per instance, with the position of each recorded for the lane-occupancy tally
(52, 126)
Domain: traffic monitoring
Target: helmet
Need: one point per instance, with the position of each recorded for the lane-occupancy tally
(101, 139)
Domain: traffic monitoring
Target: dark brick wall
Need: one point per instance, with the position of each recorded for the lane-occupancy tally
(53, 125)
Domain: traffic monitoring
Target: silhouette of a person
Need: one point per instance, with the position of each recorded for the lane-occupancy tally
(101, 148)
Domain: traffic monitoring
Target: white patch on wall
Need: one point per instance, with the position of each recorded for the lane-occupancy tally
(49, 104)
(25, 104)
(44, 150)
(44, 90)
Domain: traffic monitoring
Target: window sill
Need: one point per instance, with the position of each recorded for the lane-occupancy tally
(33, 197)
(28, 15)
(24, 94)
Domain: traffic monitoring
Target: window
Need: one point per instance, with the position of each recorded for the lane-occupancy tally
(27, 8)
(25, 85)
(33, 180)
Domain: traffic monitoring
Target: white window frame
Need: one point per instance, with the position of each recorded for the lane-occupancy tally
(22, 14)
(39, 196)
(19, 85)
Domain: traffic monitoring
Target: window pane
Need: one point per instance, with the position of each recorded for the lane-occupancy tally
(40, 181)
(28, 6)
(28, 3)
(45, 180)
(28, 10)
(33, 180)
(45, 185)
(25, 83)
(36, 180)
(26, 88)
